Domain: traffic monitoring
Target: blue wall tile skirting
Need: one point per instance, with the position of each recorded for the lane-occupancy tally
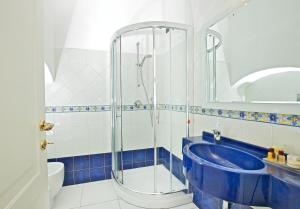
(97, 167)
(177, 164)
(86, 168)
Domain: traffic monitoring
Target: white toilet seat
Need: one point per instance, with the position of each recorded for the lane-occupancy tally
(55, 179)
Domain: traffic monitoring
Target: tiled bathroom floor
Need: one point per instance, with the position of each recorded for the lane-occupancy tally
(134, 179)
(94, 195)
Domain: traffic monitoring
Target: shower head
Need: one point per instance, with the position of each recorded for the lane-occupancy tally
(144, 58)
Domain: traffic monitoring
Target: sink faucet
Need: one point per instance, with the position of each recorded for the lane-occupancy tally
(217, 136)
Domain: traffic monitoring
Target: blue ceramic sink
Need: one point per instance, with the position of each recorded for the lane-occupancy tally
(234, 171)
(226, 157)
(227, 173)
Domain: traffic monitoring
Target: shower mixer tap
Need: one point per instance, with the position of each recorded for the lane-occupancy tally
(138, 103)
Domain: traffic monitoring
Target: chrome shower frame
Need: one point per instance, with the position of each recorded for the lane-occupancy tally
(157, 200)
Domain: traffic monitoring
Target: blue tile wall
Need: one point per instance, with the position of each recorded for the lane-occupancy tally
(206, 201)
(82, 176)
(81, 162)
(139, 156)
(85, 168)
(97, 161)
(177, 164)
(68, 162)
(96, 167)
(97, 174)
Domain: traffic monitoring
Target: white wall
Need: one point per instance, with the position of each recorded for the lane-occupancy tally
(278, 87)
(57, 18)
(261, 134)
(82, 79)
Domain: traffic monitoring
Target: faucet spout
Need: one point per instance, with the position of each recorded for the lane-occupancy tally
(217, 136)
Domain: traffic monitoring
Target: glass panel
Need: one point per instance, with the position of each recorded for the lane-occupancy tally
(117, 113)
(137, 114)
(163, 131)
(171, 99)
(178, 100)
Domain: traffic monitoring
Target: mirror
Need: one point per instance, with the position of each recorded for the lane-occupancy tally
(253, 54)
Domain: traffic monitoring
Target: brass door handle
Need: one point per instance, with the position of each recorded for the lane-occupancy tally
(44, 144)
(45, 126)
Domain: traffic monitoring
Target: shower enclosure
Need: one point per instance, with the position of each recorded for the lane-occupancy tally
(149, 77)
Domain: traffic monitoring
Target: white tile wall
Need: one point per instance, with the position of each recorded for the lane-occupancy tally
(169, 134)
(79, 133)
(262, 134)
(83, 79)
(287, 137)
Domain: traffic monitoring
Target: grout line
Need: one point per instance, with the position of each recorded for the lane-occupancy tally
(100, 203)
(82, 190)
(73, 172)
(119, 203)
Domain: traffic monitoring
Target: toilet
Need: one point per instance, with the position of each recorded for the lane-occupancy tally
(55, 179)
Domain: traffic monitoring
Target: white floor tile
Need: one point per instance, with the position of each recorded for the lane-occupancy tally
(98, 192)
(135, 179)
(105, 205)
(125, 205)
(68, 197)
(96, 195)
(187, 206)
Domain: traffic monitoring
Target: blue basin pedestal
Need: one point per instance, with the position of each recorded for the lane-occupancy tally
(231, 174)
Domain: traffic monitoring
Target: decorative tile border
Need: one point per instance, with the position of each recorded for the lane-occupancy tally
(104, 108)
(274, 118)
(71, 109)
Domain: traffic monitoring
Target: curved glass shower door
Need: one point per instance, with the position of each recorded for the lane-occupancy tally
(149, 107)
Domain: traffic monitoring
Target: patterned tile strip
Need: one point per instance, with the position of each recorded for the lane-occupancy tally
(274, 118)
(70, 109)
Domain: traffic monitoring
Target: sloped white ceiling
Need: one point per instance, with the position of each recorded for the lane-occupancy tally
(204, 10)
(57, 18)
(95, 21)
(89, 24)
